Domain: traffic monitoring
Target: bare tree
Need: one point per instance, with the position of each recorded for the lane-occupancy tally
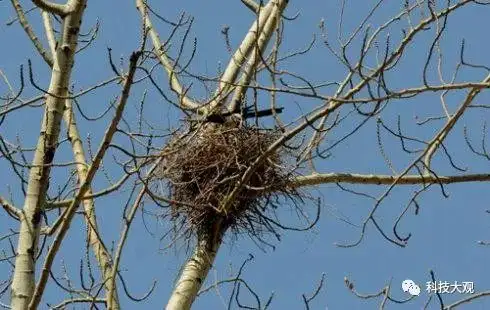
(236, 160)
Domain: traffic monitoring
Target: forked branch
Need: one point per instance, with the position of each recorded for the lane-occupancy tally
(185, 102)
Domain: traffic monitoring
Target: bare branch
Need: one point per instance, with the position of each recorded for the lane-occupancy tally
(175, 85)
(65, 303)
(70, 211)
(55, 8)
(30, 33)
(23, 282)
(261, 43)
(10, 208)
(242, 52)
(49, 30)
(450, 123)
(68, 202)
(101, 253)
(252, 5)
(467, 300)
(307, 300)
(373, 179)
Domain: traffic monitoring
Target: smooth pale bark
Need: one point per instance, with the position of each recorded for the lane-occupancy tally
(23, 281)
(378, 179)
(101, 253)
(243, 51)
(69, 212)
(30, 33)
(175, 85)
(260, 45)
(195, 270)
(451, 121)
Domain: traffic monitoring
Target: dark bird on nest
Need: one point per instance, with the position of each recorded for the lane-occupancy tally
(247, 112)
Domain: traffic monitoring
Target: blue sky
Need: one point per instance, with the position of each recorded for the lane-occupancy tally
(444, 233)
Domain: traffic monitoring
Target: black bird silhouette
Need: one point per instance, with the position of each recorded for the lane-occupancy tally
(247, 112)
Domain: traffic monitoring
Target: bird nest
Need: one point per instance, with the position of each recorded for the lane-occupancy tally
(205, 167)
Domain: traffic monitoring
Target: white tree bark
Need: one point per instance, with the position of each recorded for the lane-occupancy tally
(260, 43)
(377, 179)
(101, 253)
(175, 85)
(195, 270)
(23, 282)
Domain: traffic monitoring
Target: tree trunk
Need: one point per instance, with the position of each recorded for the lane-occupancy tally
(23, 282)
(101, 253)
(196, 269)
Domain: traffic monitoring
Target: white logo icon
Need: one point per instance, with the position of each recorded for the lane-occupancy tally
(410, 287)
